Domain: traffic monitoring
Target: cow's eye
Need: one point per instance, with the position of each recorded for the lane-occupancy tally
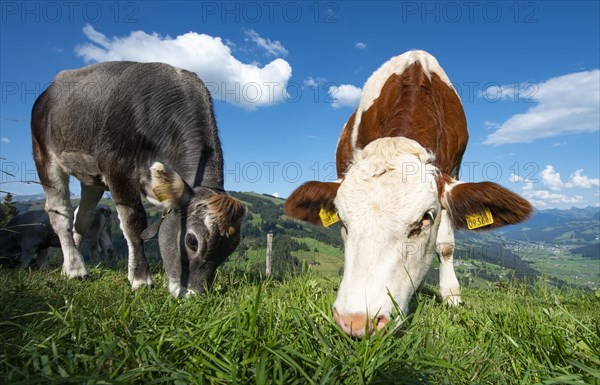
(423, 224)
(415, 231)
(428, 218)
(191, 242)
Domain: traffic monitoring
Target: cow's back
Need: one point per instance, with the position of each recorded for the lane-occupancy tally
(409, 96)
(71, 108)
(95, 117)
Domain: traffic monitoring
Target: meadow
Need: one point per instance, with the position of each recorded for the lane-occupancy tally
(251, 330)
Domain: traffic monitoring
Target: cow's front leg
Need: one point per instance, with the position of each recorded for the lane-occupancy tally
(133, 221)
(449, 286)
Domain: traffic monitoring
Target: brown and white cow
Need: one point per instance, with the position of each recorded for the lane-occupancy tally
(398, 194)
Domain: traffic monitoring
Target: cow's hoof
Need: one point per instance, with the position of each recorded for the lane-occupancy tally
(80, 274)
(141, 282)
(178, 291)
(453, 301)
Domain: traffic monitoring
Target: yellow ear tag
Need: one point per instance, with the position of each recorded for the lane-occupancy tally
(477, 220)
(328, 218)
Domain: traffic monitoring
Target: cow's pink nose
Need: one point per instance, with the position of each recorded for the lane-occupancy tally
(354, 324)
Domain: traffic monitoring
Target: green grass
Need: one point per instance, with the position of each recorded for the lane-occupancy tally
(255, 221)
(249, 331)
(277, 201)
(571, 268)
(329, 259)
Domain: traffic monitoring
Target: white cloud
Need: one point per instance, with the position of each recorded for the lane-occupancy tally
(551, 178)
(552, 193)
(528, 186)
(311, 82)
(566, 104)
(273, 48)
(275, 194)
(536, 197)
(246, 85)
(538, 204)
(489, 125)
(4, 140)
(345, 95)
(360, 45)
(582, 181)
(516, 179)
(514, 92)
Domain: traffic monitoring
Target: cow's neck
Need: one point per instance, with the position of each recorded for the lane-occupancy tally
(207, 168)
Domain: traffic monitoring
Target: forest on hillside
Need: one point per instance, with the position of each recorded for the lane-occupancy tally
(562, 244)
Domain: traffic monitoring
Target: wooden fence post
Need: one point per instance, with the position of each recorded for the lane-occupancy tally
(269, 252)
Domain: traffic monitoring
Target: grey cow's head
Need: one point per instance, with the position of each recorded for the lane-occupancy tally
(201, 230)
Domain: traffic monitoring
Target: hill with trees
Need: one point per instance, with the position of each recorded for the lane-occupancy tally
(562, 245)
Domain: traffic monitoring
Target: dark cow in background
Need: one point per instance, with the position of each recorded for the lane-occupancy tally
(137, 129)
(98, 239)
(398, 194)
(31, 233)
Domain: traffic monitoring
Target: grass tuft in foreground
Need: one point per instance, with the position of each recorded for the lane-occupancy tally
(248, 331)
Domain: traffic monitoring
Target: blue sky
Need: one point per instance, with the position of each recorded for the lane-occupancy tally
(286, 76)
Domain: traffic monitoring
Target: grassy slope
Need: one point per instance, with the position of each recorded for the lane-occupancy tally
(567, 266)
(250, 331)
(327, 259)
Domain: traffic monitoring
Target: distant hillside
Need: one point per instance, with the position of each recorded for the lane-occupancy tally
(296, 244)
(562, 244)
(559, 244)
(28, 198)
(578, 229)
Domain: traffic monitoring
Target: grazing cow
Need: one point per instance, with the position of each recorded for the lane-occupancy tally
(398, 195)
(31, 233)
(137, 129)
(98, 238)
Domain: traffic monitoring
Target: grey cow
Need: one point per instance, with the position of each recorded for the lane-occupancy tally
(137, 129)
(30, 234)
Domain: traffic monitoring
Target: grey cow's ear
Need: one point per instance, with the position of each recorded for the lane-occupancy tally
(168, 187)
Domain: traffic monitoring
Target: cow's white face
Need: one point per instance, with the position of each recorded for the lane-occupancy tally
(389, 206)
(390, 202)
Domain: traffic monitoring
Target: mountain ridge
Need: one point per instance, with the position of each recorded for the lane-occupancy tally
(562, 243)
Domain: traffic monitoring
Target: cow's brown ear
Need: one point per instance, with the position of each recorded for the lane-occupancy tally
(306, 201)
(228, 213)
(483, 205)
(168, 187)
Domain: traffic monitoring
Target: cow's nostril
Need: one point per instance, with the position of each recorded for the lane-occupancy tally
(354, 325)
(357, 325)
(381, 321)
